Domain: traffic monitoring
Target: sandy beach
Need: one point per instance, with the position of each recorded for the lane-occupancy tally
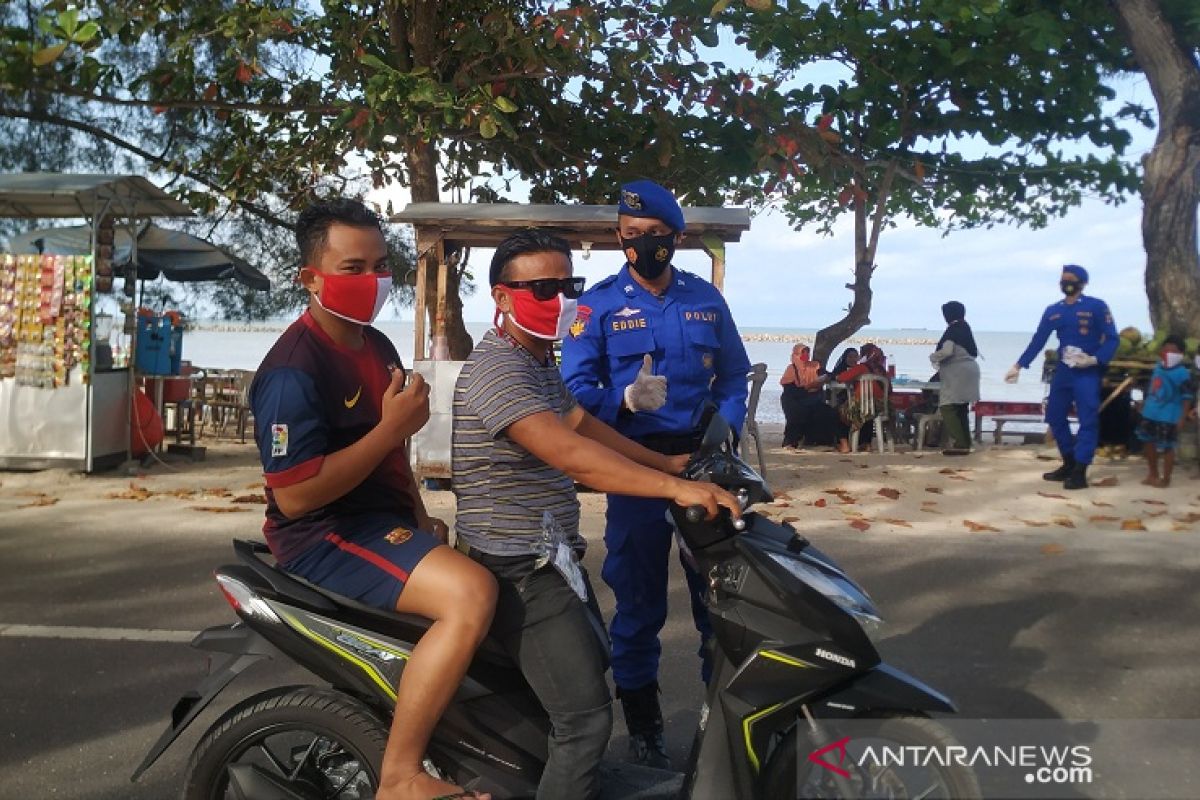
(995, 491)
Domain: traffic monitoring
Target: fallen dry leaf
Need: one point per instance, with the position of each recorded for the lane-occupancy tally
(1052, 496)
(930, 510)
(256, 485)
(899, 522)
(959, 478)
(891, 494)
(790, 519)
(182, 494)
(134, 492)
(250, 498)
(819, 502)
(1098, 504)
(1191, 516)
(1034, 523)
(945, 471)
(1063, 522)
(216, 491)
(1111, 480)
(219, 509)
(1152, 502)
(1052, 549)
(1180, 527)
(1103, 518)
(859, 524)
(1132, 525)
(929, 502)
(40, 500)
(977, 527)
(1161, 513)
(933, 490)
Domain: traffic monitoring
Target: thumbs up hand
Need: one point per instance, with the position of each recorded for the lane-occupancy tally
(648, 392)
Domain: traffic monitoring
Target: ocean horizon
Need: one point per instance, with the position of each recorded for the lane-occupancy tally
(219, 344)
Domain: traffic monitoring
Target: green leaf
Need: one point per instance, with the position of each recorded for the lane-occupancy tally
(718, 7)
(708, 37)
(488, 128)
(68, 19)
(375, 62)
(86, 33)
(505, 105)
(48, 55)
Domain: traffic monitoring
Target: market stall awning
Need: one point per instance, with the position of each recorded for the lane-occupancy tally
(43, 195)
(486, 224)
(176, 255)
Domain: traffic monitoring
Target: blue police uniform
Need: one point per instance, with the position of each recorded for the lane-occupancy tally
(692, 339)
(1087, 324)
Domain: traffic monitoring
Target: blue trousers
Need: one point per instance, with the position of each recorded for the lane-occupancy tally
(1081, 387)
(638, 537)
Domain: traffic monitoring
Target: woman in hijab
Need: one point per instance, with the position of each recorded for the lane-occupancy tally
(847, 360)
(873, 362)
(801, 384)
(958, 374)
(809, 420)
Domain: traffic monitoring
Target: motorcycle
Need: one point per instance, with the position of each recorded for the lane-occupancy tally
(794, 669)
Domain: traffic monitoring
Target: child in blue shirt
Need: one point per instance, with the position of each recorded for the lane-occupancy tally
(1167, 404)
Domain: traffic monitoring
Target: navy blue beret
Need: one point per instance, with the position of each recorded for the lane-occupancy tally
(648, 199)
(1076, 270)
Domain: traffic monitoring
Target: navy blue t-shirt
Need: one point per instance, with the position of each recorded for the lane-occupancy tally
(312, 397)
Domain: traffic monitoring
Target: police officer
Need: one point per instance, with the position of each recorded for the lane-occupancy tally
(1087, 341)
(651, 348)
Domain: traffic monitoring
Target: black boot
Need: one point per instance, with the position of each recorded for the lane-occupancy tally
(1078, 478)
(1063, 472)
(643, 718)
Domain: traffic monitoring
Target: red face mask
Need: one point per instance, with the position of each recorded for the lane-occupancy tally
(546, 319)
(354, 298)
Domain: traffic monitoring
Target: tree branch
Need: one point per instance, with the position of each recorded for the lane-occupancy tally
(92, 130)
(212, 105)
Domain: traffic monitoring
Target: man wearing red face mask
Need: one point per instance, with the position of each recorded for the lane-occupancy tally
(520, 443)
(331, 420)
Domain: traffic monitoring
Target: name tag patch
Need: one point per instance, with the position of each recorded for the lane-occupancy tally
(700, 316)
(628, 324)
(279, 440)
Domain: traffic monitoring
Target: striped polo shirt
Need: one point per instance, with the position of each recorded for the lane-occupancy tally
(503, 490)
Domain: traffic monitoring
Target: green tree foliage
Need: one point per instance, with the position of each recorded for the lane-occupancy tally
(952, 113)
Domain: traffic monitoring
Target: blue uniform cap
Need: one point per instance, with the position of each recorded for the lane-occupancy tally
(1076, 270)
(648, 199)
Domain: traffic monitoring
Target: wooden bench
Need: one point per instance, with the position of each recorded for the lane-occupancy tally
(1003, 412)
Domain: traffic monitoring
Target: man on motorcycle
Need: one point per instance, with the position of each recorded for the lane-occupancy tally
(331, 419)
(520, 442)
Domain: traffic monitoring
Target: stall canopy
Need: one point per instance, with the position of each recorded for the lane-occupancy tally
(176, 255)
(43, 195)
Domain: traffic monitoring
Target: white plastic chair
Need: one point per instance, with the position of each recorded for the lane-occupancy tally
(875, 410)
(757, 376)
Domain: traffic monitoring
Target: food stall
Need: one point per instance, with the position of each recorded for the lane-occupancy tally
(61, 406)
(446, 228)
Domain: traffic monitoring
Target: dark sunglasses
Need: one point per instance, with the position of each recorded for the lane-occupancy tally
(550, 288)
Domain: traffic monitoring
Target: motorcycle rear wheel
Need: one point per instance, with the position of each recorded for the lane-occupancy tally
(310, 743)
(788, 776)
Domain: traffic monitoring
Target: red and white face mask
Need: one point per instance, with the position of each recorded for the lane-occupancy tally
(545, 319)
(354, 298)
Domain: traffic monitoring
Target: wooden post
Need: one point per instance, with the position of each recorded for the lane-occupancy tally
(440, 345)
(716, 251)
(419, 300)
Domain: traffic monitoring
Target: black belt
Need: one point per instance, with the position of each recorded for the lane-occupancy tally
(671, 444)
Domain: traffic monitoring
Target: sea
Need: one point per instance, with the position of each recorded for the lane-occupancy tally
(226, 345)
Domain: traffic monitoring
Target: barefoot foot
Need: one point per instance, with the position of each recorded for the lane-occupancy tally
(423, 786)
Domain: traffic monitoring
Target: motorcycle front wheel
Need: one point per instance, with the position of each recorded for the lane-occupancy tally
(306, 743)
(790, 774)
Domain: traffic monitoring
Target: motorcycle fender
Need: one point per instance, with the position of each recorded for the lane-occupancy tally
(244, 648)
(887, 688)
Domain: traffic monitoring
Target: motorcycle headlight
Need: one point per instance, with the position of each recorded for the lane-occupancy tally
(841, 591)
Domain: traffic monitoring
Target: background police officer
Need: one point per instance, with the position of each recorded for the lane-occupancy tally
(652, 347)
(1087, 341)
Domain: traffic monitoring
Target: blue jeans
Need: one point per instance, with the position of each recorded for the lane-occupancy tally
(559, 643)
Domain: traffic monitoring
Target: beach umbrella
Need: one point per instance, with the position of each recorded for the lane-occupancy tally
(175, 255)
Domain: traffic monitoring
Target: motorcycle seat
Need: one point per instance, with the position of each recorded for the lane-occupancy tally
(409, 627)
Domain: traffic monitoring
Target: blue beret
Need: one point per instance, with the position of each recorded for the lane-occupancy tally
(1076, 270)
(648, 199)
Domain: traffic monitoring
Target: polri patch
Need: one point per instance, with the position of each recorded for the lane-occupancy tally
(279, 440)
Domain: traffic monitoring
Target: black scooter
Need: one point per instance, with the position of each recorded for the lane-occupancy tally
(794, 670)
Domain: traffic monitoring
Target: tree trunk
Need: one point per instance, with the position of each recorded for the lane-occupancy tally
(858, 315)
(1171, 183)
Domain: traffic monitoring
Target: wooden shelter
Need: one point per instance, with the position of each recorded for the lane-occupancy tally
(442, 228)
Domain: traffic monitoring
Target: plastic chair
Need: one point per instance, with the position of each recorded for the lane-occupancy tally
(924, 423)
(226, 398)
(874, 410)
(757, 376)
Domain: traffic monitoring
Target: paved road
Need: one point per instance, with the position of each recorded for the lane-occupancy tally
(1106, 628)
